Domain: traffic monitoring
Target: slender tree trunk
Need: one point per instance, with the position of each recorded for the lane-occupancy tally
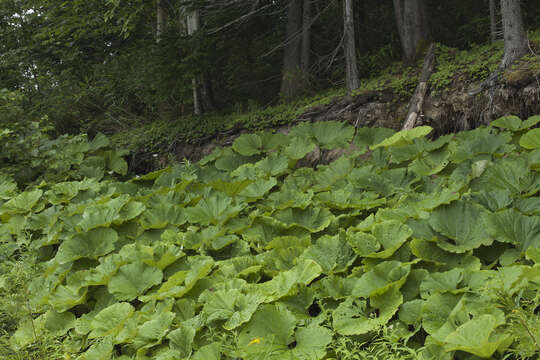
(515, 37)
(305, 56)
(161, 19)
(417, 100)
(202, 99)
(291, 78)
(493, 20)
(193, 24)
(413, 27)
(351, 79)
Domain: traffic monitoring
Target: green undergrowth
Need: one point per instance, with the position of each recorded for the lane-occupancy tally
(196, 129)
(454, 69)
(402, 248)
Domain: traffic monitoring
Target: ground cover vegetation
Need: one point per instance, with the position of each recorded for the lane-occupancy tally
(299, 239)
(404, 247)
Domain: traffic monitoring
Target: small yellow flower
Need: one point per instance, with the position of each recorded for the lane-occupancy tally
(257, 340)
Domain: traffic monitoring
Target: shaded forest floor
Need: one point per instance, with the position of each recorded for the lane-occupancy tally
(382, 101)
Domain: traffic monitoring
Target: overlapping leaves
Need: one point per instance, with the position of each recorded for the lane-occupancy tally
(281, 259)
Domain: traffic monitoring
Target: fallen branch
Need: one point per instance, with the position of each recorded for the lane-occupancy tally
(417, 100)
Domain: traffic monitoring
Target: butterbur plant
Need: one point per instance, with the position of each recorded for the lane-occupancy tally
(254, 254)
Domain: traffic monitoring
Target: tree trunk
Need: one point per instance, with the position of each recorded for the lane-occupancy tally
(493, 20)
(193, 24)
(515, 43)
(413, 27)
(291, 79)
(351, 78)
(161, 19)
(417, 100)
(202, 99)
(305, 56)
(515, 37)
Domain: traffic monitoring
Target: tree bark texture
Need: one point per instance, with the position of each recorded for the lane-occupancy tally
(417, 100)
(349, 47)
(291, 84)
(493, 20)
(413, 27)
(515, 37)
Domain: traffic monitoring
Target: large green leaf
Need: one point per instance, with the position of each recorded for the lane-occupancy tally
(298, 148)
(404, 137)
(463, 224)
(21, 203)
(444, 313)
(208, 352)
(349, 197)
(386, 275)
(111, 320)
(273, 165)
(534, 160)
(248, 144)
(311, 342)
(328, 134)
(181, 339)
(332, 253)
(231, 305)
(102, 349)
(92, 244)
(268, 333)
(229, 161)
(312, 219)
(133, 280)
(390, 234)
(162, 215)
(215, 209)
(115, 162)
(510, 174)
(531, 140)
(58, 324)
(430, 252)
(65, 297)
(448, 281)
(477, 337)
(286, 198)
(152, 331)
(187, 274)
(512, 123)
(367, 136)
(102, 214)
(286, 281)
(481, 141)
(258, 188)
(513, 227)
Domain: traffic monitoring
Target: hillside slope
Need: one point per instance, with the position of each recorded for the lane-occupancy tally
(382, 101)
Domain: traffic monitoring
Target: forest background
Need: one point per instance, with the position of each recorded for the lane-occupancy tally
(110, 65)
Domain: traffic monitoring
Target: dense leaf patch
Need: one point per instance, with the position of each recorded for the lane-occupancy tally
(227, 258)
